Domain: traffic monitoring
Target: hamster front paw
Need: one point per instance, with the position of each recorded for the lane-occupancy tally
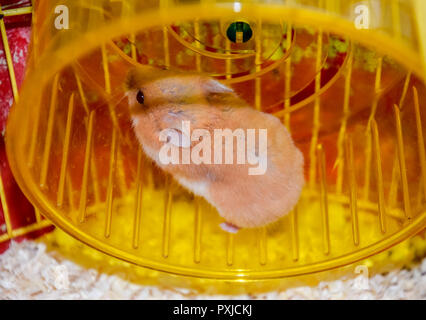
(229, 227)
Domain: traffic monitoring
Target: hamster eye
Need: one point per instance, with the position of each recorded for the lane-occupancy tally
(140, 97)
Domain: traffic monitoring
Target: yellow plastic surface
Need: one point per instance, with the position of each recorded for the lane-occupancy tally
(360, 126)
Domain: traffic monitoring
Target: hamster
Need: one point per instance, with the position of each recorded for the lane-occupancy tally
(163, 102)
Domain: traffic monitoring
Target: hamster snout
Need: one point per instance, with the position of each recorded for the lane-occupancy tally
(210, 140)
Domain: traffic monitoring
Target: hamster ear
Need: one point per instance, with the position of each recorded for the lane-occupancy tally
(214, 86)
(131, 80)
(175, 137)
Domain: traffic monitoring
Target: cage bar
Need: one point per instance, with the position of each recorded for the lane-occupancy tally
(262, 240)
(5, 206)
(25, 230)
(228, 62)
(86, 168)
(379, 176)
(133, 53)
(166, 47)
(107, 81)
(405, 89)
(37, 214)
(340, 162)
(396, 18)
(197, 44)
(167, 218)
(49, 133)
(17, 11)
(402, 164)
(93, 171)
(316, 120)
(287, 77)
(350, 165)
(65, 152)
(258, 63)
(230, 249)
(9, 60)
(323, 198)
(420, 139)
(110, 188)
(138, 201)
(294, 234)
(197, 231)
(368, 149)
(394, 185)
(81, 92)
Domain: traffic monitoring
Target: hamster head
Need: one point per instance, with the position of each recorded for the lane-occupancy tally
(163, 87)
(161, 100)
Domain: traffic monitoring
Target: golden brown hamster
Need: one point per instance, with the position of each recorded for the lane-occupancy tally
(191, 116)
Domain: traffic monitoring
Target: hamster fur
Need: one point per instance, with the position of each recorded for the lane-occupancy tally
(243, 200)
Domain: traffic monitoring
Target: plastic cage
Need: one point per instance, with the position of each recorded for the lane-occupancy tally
(346, 77)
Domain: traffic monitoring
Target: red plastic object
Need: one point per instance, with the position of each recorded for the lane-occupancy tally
(18, 30)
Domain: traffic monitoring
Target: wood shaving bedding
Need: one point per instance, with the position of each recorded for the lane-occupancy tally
(28, 271)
